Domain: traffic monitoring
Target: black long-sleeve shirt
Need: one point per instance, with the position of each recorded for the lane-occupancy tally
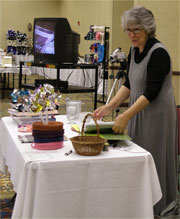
(157, 68)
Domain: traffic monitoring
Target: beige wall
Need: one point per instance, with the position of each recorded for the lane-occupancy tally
(16, 14)
(167, 15)
(87, 12)
(119, 38)
(167, 18)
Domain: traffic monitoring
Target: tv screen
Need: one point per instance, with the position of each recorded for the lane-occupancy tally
(44, 37)
(54, 41)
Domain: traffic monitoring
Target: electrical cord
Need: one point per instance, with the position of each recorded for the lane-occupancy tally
(91, 80)
(69, 75)
(83, 70)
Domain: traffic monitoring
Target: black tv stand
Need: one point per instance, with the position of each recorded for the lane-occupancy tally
(58, 67)
(58, 84)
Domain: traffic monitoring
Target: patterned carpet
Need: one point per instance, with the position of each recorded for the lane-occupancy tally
(6, 209)
(6, 186)
(7, 194)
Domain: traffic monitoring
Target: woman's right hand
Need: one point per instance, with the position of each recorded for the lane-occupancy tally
(101, 111)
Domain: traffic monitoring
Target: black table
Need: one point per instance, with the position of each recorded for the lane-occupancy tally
(58, 67)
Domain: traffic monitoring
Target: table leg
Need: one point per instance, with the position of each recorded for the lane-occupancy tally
(8, 80)
(13, 81)
(96, 85)
(4, 85)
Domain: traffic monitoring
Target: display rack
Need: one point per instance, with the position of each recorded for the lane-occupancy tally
(103, 38)
(18, 43)
(58, 67)
(105, 60)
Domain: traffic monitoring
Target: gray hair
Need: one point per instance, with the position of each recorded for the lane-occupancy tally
(141, 17)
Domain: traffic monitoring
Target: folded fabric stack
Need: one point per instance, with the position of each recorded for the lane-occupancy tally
(48, 136)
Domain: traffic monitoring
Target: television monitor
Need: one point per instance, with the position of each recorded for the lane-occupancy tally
(54, 42)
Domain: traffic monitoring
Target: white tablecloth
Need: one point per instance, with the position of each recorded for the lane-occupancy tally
(15, 69)
(77, 77)
(120, 183)
(80, 77)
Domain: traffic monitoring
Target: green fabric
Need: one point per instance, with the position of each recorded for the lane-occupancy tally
(110, 136)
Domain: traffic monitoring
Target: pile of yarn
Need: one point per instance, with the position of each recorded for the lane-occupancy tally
(48, 136)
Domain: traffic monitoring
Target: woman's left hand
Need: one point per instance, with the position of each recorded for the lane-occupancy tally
(120, 123)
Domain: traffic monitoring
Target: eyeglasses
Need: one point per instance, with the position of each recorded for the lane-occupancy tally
(135, 31)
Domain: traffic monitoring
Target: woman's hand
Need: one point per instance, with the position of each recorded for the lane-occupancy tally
(122, 120)
(120, 123)
(118, 99)
(101, 111)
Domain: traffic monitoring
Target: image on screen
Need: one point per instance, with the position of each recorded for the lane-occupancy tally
(44, 37)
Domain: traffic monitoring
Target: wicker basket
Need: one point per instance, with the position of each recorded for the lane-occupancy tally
(88, 145)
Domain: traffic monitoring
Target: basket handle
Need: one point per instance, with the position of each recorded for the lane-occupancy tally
(84, 121)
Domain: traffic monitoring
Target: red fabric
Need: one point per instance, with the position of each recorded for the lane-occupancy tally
(51, 126)
(48, 146)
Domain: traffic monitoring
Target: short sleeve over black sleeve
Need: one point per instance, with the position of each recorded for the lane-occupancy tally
(158, 67)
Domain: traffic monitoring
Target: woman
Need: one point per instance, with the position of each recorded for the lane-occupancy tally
(151, 117)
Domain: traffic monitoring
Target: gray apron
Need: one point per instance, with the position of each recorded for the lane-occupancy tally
(155, 127)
